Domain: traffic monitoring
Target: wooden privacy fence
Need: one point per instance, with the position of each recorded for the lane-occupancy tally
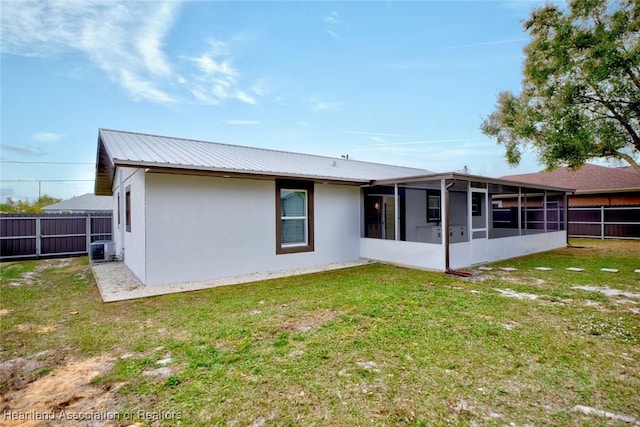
(605, 222)
(50, 235)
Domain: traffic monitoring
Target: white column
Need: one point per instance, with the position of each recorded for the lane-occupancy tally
(397, 210)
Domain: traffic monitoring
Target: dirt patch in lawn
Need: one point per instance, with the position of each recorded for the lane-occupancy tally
(311, 320)
(59, 396)
(607, 291)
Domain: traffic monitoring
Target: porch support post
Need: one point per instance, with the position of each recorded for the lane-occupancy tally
(396, 201)
(469, 212)
(566, 216)
(519, 211)
(444, 209)
(525, 213)
(445, 226)
(544, 210)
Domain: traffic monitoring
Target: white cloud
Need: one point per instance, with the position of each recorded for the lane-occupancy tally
(47, 136)
(442, 152)
(218, 48)
(27, 150)
(142, 89)
(326, 106)
(247, 99)
(202, 96)
(217, 79)
(261, 88)
(209, 66)
(124, 39)
(150, 40)
(332, 22)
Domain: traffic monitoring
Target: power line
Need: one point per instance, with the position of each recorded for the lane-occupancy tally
(40, 181)
(46, 163)
(47, 180)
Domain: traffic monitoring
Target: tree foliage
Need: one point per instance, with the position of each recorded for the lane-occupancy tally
(25, 206)
(580, 95)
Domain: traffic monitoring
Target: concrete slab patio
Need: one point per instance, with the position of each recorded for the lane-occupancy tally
(117, 283)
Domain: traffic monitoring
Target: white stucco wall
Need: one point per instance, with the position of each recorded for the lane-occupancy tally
(508, 247)
(432, 256)
(203, 228)
(134, 241)
(410, 254)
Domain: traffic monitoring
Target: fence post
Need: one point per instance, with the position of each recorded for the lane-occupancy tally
(602, 222)
(89, 232)
(38, 237)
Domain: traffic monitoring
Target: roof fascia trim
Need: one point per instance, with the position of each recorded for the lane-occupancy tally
(103, 168)
(608, 190)
(477, 178)
(219, 172)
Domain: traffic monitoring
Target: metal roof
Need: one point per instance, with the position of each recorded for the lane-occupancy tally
(120, 148)
(82, 203)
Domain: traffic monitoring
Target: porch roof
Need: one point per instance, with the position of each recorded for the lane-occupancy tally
(466, 177)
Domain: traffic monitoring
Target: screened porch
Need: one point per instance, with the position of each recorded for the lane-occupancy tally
(459, 216)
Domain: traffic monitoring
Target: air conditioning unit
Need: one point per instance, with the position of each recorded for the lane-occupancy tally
(102, 250)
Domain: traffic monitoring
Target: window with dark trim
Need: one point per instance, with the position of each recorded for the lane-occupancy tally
(128, 209)
(119, 210)
(433, 207)
(294, 217)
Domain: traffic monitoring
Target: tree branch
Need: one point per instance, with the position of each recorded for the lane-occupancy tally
(625, 123)
(627, 158)
(633, 77)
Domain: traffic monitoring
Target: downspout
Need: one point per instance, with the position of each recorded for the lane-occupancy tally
(445, 226)
(122, 209)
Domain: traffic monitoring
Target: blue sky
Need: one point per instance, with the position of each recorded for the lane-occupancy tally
(404, 83)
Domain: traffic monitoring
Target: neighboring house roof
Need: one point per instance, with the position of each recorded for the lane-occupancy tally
(119, 148)
(588, 179)
(83, 203)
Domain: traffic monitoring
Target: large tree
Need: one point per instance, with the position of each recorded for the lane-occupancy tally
(580, 95)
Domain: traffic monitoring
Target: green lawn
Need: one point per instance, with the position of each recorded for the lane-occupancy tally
(376, 344)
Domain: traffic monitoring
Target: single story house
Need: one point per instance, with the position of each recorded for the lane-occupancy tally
(187, 211)
(594, 185)
(85, 203)
(605, 204)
